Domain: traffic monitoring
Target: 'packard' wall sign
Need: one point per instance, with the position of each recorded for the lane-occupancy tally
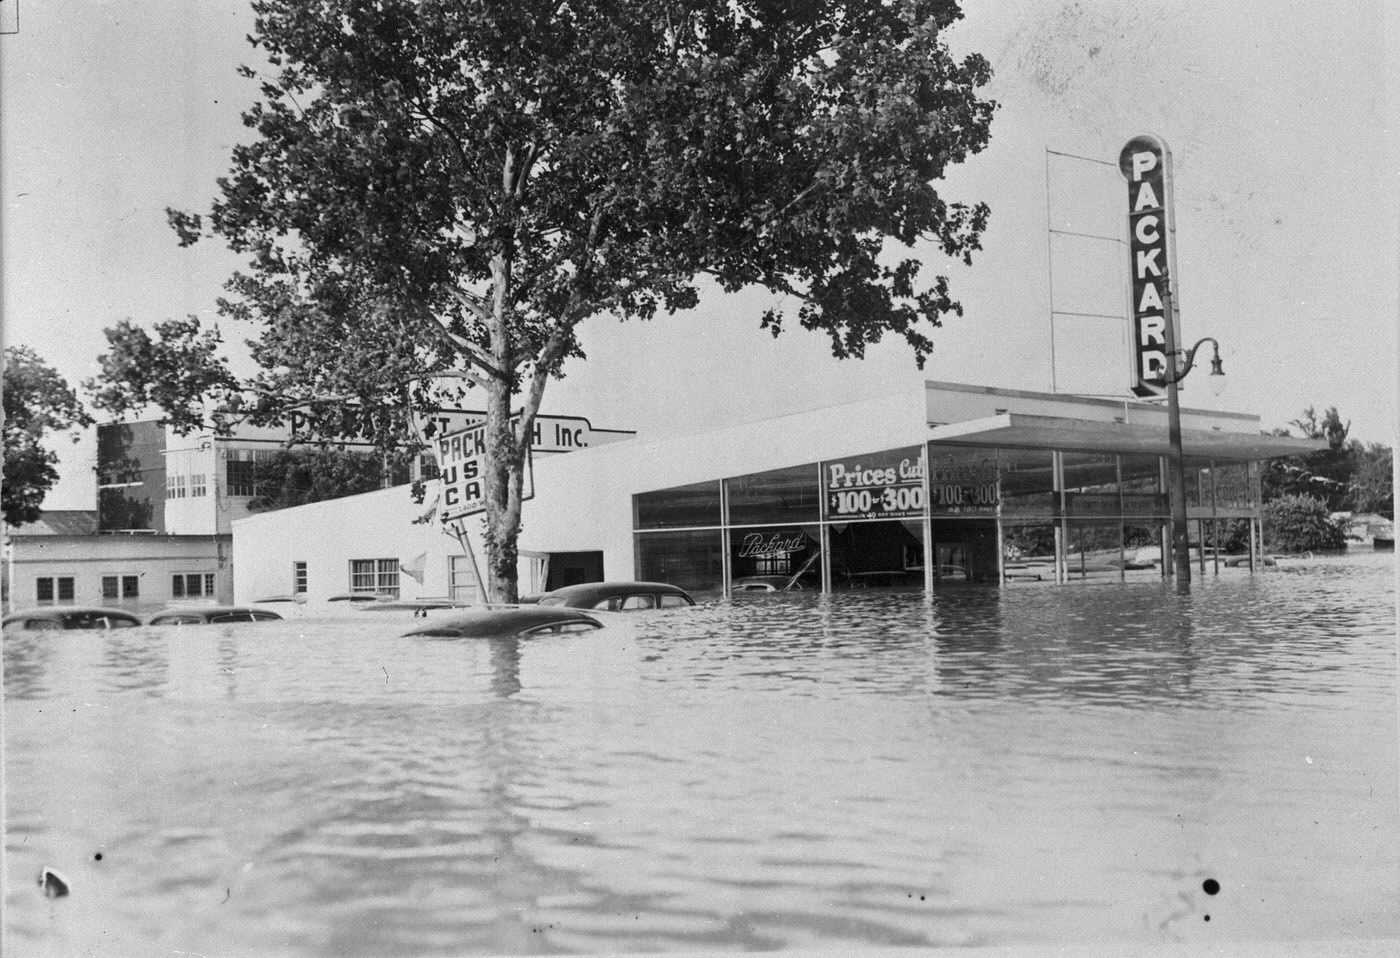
(1146, 163)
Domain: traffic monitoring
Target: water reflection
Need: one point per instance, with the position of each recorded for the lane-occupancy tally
(28, 659)
(134, 660)
(505, 666)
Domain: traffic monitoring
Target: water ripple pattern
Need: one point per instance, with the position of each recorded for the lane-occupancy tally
(1037, 766)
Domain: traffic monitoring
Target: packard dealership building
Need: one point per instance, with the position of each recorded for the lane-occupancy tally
(941, 484)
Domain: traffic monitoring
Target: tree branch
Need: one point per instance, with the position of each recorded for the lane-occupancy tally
(539, 377)
(473, 353)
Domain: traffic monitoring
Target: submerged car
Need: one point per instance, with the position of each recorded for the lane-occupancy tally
(618, 596)
(56, 618)
(214, 614)
(767, 583)
(416, 605)
(510, 622)
(358, 598)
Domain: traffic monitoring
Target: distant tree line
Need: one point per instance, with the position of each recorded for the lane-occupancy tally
(1348, 476)
(1301, 494)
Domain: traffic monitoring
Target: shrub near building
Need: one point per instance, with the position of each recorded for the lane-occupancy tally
(1297, 523)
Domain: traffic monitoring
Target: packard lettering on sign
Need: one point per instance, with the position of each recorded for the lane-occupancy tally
(461, 458)
(1146, 163)
(883, 486)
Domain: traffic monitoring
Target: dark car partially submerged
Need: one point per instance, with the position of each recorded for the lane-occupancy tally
(211, 615)
(618, 596)
(57, 618)
(510, 622)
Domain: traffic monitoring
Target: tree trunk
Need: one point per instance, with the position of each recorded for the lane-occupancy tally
(504, 459)
(503, 475)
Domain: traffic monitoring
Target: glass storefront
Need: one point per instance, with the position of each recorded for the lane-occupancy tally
(679, 507)
(941, 514)
(689, 558)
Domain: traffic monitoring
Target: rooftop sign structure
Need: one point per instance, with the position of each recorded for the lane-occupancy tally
(552, 433)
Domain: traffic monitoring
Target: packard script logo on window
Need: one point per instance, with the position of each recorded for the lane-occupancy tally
(757, 545)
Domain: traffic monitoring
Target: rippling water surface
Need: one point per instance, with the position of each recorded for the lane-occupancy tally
(1030, 766)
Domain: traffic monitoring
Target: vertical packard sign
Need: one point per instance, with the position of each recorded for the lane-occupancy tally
(1146, 162)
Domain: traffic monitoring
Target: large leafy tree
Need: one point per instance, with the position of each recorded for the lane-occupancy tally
(439, 193)
(38, 402)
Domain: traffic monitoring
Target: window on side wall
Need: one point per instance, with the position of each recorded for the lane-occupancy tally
(191, 585)
(121, 586)
(175, 487)
(198, 486)
(49, 589)
(299, 578)
(375, 575)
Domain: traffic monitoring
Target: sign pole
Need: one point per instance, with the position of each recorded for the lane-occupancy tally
(1176, 466)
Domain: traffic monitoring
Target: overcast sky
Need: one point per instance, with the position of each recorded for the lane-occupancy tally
(1275, 112)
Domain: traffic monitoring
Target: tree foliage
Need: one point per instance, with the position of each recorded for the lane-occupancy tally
(439, 193)
(1294, 523)
(180, 370)
(1348, 475)
(37, 402)
(1373, 482)
(294, 477)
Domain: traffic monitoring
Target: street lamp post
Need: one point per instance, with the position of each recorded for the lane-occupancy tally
(1180, 365)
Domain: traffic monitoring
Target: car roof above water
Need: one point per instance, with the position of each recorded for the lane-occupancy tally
(73, 617)
(585, 593)
(511, 621)
(210, 613)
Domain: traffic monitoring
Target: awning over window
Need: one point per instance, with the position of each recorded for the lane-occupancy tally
(1052, 432)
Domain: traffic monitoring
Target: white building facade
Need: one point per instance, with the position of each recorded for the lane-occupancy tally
(940, 485)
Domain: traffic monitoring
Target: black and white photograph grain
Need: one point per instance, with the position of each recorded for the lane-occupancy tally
(892, 478)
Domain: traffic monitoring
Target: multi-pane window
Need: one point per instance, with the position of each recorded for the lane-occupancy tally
(190, 585)
(175, 487)
(375, 575)
(48, 588)
(242, 477)
(462, 584)
(121, 586)
(198, 486)
(241, 471)
(427, 467)
(299, 577)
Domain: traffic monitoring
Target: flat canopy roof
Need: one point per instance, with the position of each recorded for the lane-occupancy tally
(1084, 435)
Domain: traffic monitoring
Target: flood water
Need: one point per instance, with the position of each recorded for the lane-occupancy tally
(1033, 766)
